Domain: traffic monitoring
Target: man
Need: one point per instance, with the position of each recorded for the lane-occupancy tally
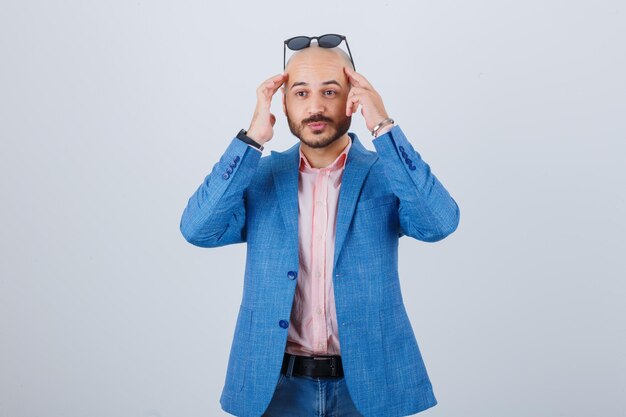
(322, 327)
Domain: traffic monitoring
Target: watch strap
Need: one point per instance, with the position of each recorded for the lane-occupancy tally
(243, 135)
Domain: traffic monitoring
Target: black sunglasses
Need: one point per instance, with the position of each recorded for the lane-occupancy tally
(325, 41)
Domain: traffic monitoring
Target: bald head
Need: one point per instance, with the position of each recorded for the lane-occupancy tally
(316, 63)
(315, 53)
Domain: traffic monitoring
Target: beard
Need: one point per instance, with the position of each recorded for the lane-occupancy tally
(318, 139)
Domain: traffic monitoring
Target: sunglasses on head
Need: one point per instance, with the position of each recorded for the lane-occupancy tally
(325, 41)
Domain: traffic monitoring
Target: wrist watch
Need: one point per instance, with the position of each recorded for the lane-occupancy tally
(243, 135)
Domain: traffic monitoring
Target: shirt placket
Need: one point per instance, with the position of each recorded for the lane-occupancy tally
(320, 224)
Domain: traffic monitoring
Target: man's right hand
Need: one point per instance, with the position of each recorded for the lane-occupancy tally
(262, 125)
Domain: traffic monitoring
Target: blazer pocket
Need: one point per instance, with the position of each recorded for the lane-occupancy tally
(376, 202)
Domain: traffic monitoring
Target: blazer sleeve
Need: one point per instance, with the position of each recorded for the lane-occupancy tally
(216, 213)
(426, 211)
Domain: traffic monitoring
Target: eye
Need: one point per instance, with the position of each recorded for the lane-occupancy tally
(300, 93)
(330, 92)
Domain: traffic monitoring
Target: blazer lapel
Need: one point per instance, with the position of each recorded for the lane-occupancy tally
(285, 169)
(358, 164)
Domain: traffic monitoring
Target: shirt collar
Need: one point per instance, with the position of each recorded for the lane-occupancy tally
(338, 163)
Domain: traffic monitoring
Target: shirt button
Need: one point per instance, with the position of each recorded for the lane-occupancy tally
(318, 274)
(292, 274)
(319, 310)
(283, 323)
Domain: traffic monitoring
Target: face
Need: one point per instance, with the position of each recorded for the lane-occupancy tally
(315, 95)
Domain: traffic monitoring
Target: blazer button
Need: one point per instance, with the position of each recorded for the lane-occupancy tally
(283, 323)
(401, 149)
(292, 274)
(404, 154)
(412, 167)
(236, 159)
(232, 164)
(229, 171)
(226, 176)
(408, 162)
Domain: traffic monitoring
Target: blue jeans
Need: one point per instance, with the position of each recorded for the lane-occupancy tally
(303, 396)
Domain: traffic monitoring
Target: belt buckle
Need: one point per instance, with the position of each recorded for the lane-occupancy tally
(333, 363)
(333, 367)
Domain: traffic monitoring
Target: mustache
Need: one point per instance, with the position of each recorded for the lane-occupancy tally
(317, 118)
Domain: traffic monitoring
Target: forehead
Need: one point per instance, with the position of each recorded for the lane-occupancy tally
(315, 66)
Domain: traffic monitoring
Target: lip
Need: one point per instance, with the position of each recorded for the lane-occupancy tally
(317, 125)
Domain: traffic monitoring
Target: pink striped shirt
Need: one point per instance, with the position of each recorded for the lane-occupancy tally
(313, 328)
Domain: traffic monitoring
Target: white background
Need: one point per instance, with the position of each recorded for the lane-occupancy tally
(112, 112)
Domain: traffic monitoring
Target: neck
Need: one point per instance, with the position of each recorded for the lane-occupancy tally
(323, 157)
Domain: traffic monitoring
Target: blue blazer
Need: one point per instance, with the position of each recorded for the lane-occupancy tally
(384, 195)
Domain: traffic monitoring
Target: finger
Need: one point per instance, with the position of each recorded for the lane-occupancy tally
(349, 105)
(275, 78)
(279, 80)
(352, 105)
(357, 79)
(280, 76)
(272, 81)
(271, 86)
(357, 91)
(355, 107)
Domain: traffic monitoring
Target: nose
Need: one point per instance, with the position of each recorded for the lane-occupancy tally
(316, 105)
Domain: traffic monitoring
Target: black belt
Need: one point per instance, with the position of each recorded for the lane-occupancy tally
(314, 366)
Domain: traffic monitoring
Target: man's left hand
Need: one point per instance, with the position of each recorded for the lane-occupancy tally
(363, 94)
